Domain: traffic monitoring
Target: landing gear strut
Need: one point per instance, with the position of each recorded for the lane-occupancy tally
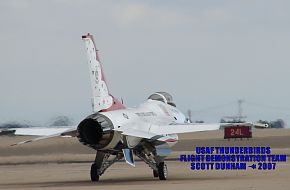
(102, 162)
(155, 162)
(155, 173)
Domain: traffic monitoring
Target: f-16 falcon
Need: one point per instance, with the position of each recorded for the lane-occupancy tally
(147, 131)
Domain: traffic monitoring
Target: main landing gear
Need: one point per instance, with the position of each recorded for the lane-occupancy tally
(94, 173)
(155, 173)
(156, 163)
(102, 162)
(162, 171)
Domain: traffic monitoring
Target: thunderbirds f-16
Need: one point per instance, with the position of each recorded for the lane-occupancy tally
(147, 131)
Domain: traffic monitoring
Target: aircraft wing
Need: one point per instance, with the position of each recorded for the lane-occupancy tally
(68, 132)
(41, 131)
(136, 133)
(159, 132)
(183, 128)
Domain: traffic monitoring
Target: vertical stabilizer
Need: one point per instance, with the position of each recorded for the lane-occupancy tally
(101, 99)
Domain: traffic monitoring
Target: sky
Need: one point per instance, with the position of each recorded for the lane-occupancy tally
(207, 54)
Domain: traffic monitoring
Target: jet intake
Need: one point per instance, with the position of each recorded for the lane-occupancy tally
(96, 131)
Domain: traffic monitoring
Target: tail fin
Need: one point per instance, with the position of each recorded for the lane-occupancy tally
(102, 100)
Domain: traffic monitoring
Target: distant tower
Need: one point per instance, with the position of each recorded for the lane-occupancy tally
(240, 110)
(189, 116)
(240, 117)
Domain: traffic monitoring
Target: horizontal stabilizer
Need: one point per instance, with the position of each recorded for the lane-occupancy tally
(68, 133)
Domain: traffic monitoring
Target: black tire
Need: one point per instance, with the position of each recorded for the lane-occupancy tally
(155, 173)
(94, 173)
(162, 171)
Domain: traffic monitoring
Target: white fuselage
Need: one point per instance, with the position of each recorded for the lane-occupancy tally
(141, 118)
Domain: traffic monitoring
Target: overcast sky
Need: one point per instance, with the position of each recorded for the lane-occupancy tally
(205, 53)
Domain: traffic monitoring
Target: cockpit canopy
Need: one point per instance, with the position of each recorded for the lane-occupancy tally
(162, 97)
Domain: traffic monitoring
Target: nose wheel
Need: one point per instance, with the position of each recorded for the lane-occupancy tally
(162, 171)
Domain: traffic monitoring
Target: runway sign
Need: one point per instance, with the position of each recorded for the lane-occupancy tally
(237, 131)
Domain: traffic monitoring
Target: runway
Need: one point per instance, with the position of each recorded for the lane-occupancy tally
(121, 176)
(63, 163)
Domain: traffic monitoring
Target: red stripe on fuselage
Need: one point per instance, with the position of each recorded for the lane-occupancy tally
(170, 140)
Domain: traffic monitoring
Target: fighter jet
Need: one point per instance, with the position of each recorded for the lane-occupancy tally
(147, 131)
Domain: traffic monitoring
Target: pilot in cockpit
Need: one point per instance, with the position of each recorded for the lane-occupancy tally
(162, 97)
